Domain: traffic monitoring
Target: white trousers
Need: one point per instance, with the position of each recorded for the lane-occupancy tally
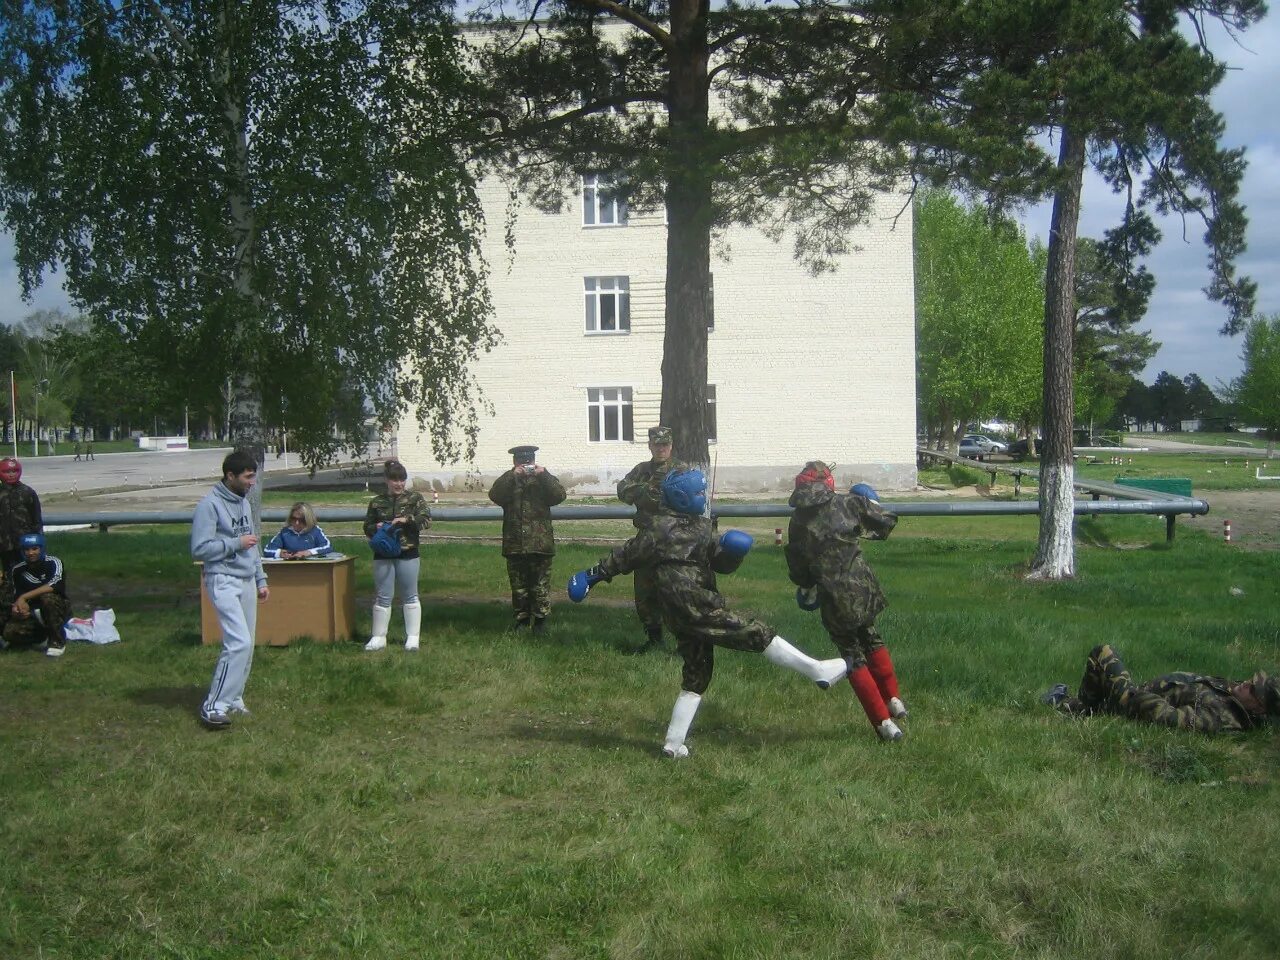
(236, 601)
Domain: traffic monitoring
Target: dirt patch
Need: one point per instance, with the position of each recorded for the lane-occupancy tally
(1254, 516)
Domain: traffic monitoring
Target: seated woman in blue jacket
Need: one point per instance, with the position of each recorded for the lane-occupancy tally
(300, 538)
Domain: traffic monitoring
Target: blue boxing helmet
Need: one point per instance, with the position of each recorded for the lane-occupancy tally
(30, 540)
(865, 490)
(685, 491)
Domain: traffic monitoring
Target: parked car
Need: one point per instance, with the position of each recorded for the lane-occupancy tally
(1018, 448)
(983, 443)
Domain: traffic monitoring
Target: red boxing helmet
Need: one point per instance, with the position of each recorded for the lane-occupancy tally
(10, 470)
(816, 471)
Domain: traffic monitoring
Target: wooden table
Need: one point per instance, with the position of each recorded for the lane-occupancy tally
(309, 598)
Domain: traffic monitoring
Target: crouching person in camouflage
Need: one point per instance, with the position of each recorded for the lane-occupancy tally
(1186, 700)
(39, 610)
(526, 493)
(684, 555)
(826, 564)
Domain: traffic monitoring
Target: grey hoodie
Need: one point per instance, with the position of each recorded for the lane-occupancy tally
(220, 520)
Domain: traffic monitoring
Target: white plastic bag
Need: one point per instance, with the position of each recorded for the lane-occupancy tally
(100, 628)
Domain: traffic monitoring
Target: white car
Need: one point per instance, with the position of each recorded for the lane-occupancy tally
(984, 444)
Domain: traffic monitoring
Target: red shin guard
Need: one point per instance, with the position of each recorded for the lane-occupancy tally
(881, 667)
(864, 685)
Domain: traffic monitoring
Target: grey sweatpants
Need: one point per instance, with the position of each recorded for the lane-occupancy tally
(395, 578)
(236, 601)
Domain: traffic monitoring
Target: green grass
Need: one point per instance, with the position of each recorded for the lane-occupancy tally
(495, 797)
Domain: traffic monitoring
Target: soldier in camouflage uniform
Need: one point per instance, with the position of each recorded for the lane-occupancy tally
(642, 488)
(826, 563)
(681, 549)
(1185, 700)
(526, 493)
(19, 512)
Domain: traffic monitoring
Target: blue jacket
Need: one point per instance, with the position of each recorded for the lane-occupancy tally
(313, 542)
(220, 520)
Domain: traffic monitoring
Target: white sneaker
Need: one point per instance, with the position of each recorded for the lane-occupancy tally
(411, 644)
(376, 643)
(54, 651)
(676, 751)
(888, 730)
(897, 709)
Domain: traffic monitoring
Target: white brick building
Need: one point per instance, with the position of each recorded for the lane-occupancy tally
(800, 367)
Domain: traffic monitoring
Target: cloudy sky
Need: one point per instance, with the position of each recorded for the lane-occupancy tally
(1180, 317)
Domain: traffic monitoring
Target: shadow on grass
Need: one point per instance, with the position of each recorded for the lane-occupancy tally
(589, 738)
(185, 699)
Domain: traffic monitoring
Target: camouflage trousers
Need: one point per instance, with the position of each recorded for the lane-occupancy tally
(1182, 700)
(530, 576)
(648, 607)
(857, 644)
(699, 630)
(55, 611)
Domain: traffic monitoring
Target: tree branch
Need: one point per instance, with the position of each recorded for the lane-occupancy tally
(622, 12)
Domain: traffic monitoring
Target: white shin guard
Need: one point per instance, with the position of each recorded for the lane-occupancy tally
(412, 624)
(381, 621)
(822, 672)
(681, 719)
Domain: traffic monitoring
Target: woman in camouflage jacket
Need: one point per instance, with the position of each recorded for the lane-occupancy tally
(408, 515)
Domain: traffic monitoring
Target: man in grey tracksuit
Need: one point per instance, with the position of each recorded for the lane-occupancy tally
(222, 538)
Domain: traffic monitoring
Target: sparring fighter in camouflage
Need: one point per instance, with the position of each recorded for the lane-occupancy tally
(19, 512)
(682, 551)
(526, 493)
(642, 488)
(1186, 700)
(826, 564)
(37, 586)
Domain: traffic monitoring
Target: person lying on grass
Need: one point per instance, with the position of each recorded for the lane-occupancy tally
(1186, 700)
(684, 555)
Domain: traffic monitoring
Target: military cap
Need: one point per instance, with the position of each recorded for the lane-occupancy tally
(1267, 690)
(523, 454)
(659, 434)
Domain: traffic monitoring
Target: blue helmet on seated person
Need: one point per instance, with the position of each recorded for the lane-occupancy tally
(865, 490)
(32, 541)
(685, 491)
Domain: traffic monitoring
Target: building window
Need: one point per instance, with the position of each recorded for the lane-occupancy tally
(609, 414)
(601, 205)
(711, 413)
(608, 304)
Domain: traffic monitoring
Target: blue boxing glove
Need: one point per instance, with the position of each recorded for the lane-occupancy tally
(807, 598)
(736, 543)
(580, 583)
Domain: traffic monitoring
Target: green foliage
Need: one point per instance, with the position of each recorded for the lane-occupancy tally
(979, 304)
(496, 797)
(267, 194)
(1257, 391)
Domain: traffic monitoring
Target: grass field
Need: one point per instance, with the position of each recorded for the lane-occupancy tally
(494, 797)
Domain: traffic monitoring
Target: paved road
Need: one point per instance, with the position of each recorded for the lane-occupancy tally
(1173, 446)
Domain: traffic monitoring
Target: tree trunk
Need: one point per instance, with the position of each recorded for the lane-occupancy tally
(689, 220)
(1055, 552)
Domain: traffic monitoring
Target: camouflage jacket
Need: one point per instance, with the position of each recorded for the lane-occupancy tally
(409, 504)
(1187, 700)
(822, 551)
(526, 501)
(642, 488)
(19, 514)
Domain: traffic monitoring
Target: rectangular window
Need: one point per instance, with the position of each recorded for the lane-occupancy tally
(608, 304)
(609, 414)
(711, 413)
(601, 205)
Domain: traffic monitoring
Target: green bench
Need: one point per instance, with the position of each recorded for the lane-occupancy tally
(1181, 486)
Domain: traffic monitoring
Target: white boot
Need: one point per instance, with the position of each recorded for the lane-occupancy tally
(412, 625)
(888, 730)
(897, 709)
(822, 672)
(681, 719)
(381, 621)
